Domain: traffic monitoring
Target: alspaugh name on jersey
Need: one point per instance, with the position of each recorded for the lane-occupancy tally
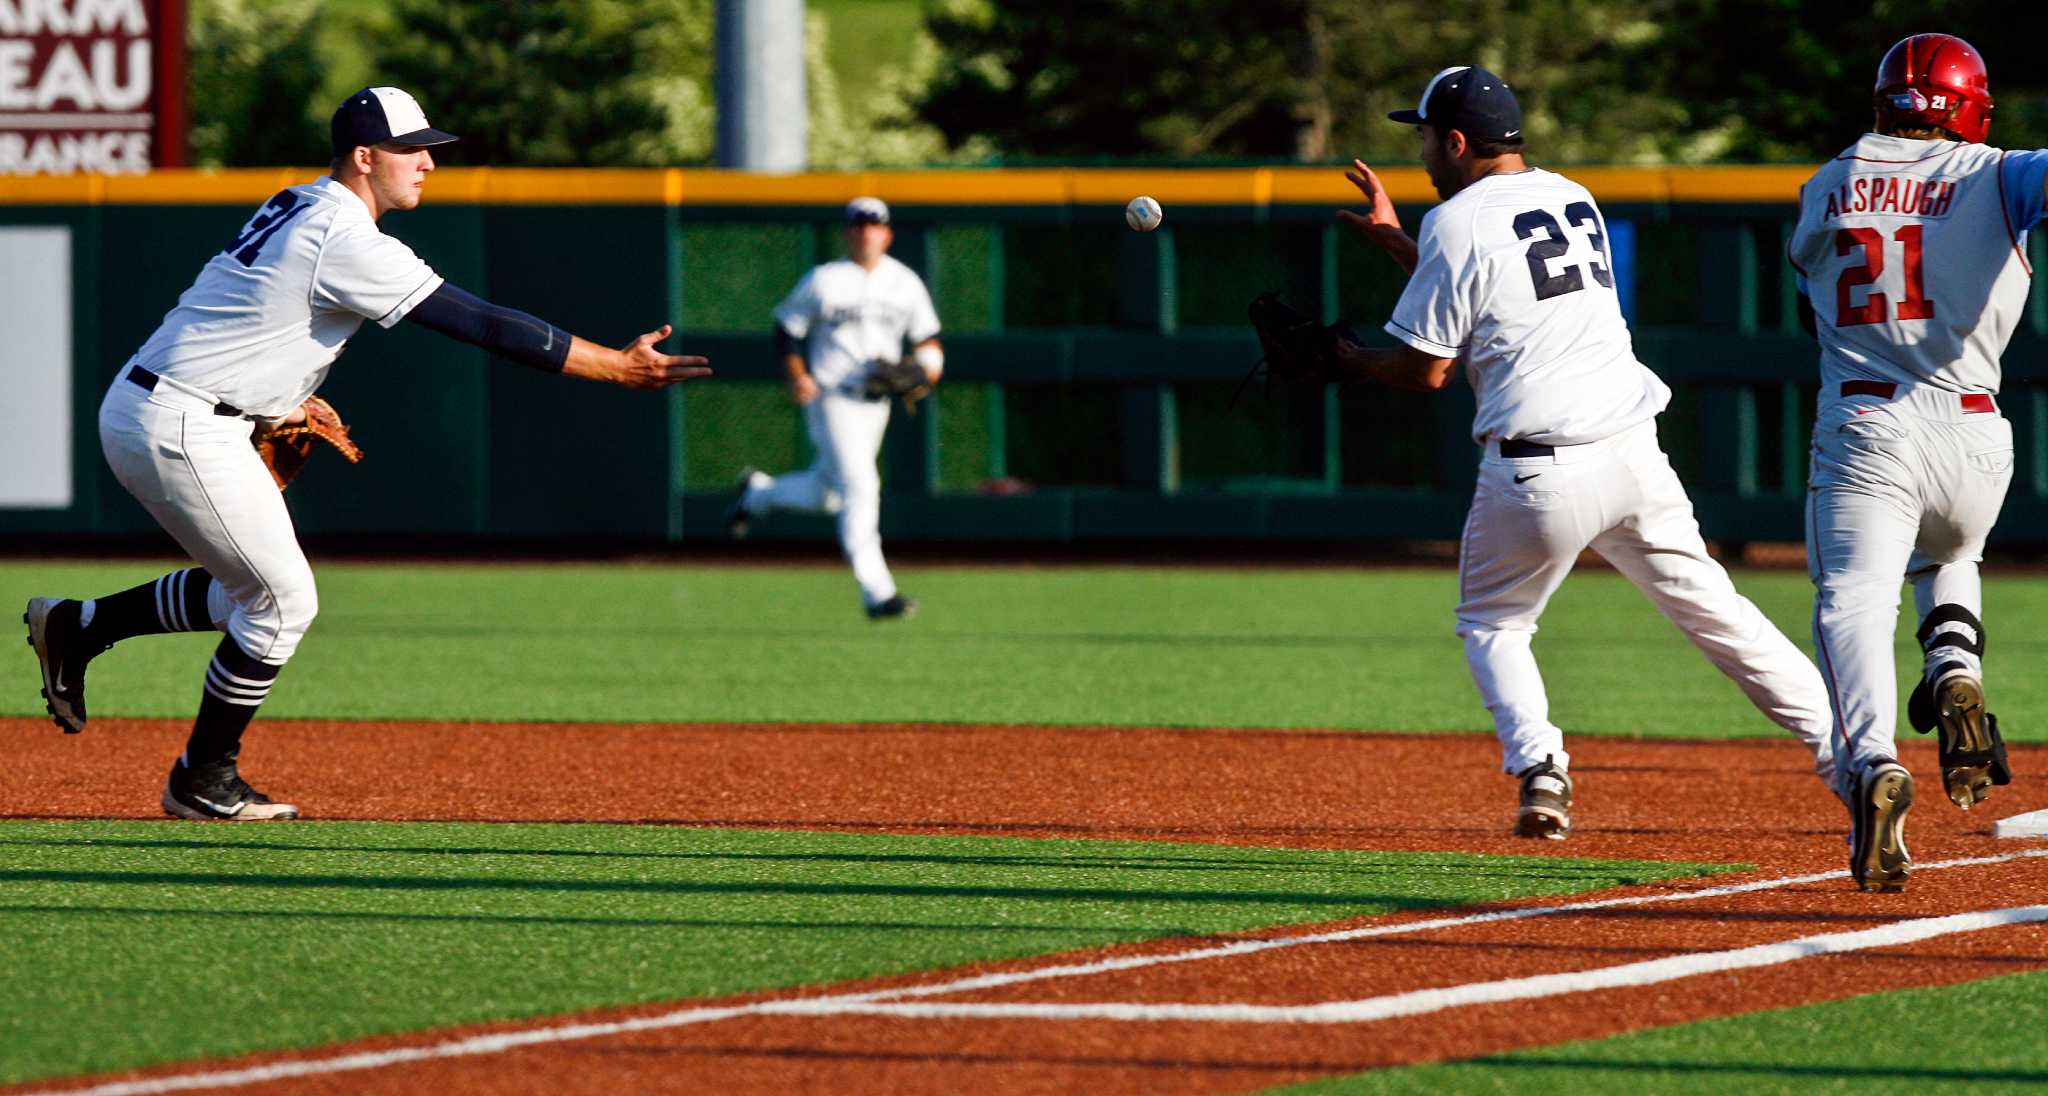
(1902, 194)
(1912, 253)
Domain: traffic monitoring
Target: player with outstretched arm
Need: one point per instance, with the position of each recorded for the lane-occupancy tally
(1511, 280)
(250, 341)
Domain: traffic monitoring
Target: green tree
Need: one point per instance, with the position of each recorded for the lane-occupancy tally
(253, 80)
(873, 124)
(1791, 79)
(558, 82)
(1619, 81)
(1084, 78)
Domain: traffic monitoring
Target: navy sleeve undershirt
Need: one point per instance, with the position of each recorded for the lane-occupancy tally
(786, 343)
(506, 332)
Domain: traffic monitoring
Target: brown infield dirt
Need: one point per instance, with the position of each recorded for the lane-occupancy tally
(1748, 801)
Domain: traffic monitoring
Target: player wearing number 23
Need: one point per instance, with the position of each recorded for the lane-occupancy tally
(1910, 249)
(1511, 280)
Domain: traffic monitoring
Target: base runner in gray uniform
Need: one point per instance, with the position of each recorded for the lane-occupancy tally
(1911, 253)
(1511, 280)
(252, 339)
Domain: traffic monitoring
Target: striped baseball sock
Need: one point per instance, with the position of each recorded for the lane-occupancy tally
(235, 687)
(174, 603)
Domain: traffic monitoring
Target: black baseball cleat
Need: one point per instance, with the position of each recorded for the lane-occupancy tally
(739, 519)
(896, 608)
(1877, 827)
(216, 792)
(54, 632)
(1973, 758)
(1546, 810)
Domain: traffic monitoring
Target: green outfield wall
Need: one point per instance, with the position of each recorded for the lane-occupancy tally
(1093, 373)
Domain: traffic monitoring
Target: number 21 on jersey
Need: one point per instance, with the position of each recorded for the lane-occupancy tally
(1913, 304)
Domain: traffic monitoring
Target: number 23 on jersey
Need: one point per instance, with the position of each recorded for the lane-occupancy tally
(1549, 242)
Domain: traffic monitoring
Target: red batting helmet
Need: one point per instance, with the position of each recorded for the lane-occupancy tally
(1935, 80)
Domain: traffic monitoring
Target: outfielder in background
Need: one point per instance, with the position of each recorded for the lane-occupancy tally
(1911, 251)
(248, 344)
(840, 333)
(1512, 281)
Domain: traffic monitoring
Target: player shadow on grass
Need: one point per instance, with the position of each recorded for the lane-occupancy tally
(157, 913)
(862, 632)
(1379, 903)
(1403, 867)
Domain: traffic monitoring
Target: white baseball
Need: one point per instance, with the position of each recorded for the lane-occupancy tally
(1143, 214)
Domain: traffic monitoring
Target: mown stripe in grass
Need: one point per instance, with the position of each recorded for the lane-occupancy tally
(323, 932)
(1369, 649)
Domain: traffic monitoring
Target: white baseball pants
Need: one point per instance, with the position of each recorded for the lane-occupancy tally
(1531, 517)
(1904, 486)
(844, 480)
(198, 476)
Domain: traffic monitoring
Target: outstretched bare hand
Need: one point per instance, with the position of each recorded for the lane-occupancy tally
(1378, 225)
(641, 366)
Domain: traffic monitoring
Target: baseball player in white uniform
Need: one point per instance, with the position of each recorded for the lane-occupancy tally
(842, 322)
(250, 340)
(1911, 253)
(1511, 280)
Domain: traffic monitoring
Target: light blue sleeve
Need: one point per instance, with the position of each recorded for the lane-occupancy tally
(2022, 175)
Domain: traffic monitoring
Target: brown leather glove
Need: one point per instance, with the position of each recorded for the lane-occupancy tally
(286, 449)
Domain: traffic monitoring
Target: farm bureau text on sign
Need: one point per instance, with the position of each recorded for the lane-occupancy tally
(91, 86)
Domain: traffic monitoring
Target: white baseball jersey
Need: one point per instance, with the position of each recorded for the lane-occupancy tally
(1514, 280)
(1913, 254)
(851, 318)
(267, 316)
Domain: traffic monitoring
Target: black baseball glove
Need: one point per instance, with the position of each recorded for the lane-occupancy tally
(902, 378)
(1297, 346)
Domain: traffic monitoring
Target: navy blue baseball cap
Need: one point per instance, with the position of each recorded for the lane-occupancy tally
(1470, 100)
(867, 211)
(382, 116)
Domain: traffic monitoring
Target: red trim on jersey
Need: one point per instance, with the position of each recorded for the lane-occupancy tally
(1973, 403)
(1952, 146)
(2005, 215)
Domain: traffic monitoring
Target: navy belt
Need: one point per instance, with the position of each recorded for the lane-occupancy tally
(148, 380)
(1513, 448)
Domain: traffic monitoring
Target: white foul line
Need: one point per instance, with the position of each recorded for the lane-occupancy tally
(1417, 1002)
(847, 1002)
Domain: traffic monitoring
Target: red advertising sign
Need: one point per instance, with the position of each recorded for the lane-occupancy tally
(91, 86)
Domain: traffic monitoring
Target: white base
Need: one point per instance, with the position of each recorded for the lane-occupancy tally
(2031, 824)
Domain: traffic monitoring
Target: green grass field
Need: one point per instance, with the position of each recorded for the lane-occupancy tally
(315, 924)
(105, 921)
(1368, 649)
(1979, 1037)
